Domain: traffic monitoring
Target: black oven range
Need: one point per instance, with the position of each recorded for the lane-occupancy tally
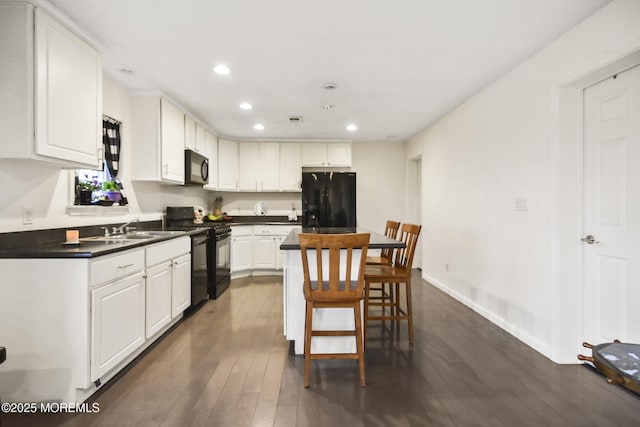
(218, 252)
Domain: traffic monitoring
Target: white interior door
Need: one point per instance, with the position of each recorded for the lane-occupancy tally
(612, 209)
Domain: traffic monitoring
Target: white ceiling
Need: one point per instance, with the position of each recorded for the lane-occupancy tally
(398, 65)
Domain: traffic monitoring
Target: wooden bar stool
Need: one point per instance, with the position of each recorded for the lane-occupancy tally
(396, 273)
(342, 286)
(384, 291)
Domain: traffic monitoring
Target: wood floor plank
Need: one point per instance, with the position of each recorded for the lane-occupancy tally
(228, 364)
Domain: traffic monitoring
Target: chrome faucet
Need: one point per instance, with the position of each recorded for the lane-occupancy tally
(121, 229)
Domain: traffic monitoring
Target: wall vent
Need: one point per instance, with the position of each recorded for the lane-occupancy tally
(295, 119)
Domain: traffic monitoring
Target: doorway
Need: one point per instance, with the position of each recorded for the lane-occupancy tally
(414, 203)
(611, 256)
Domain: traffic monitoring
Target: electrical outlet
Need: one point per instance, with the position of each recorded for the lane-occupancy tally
(27, 216)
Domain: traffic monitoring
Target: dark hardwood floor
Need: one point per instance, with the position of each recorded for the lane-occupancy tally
(229, 365)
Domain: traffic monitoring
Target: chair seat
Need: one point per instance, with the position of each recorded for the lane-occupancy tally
(386, 273)
(377, 260)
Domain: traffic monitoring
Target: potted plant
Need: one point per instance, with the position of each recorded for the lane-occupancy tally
(111, 190)
(85, 191)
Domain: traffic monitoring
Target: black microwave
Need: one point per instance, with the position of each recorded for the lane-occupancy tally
(196, 168)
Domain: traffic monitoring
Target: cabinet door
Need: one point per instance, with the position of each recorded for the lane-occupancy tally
(338, 154)
(180, 285)
(279, 253)
(200, 139)
(290, 167)
(68, 95)
(241, 253)
(117, 323)
(249, 166)
(269, 166)
(211, 150)
(189, 133)
(158, 297)
(264, 252)
(172, 142)
(227, 165)
(314, 154)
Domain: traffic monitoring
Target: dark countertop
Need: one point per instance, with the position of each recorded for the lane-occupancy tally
(261, 220)
(87, 249)
(376, 241)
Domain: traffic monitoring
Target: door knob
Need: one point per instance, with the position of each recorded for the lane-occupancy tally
(589, 239)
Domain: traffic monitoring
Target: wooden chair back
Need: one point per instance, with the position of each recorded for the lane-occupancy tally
(409, 236)
(332, 251)
(391, 231)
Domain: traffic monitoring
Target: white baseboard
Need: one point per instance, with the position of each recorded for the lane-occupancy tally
(501, 322)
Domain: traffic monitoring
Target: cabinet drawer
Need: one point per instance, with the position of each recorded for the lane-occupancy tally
(166, 250)
(242, 230)
(272, 230)
(107, 269)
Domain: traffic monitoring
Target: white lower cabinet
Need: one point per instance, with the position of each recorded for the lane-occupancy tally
(89, 318)
(256, 249)
(264, 252)
(158, 298)
(168, 282)
(117, 322)
(181, 285)
(241, 253)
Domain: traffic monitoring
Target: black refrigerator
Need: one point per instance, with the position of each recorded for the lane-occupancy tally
(329, 199)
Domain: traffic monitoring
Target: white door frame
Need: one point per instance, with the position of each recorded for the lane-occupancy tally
(567, 205)
(414, 202)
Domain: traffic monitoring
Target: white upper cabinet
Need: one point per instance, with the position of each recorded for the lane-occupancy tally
(211, 152)
(201, 141)
(193, 135)
(227, 165)
(290, 166)
(258, 166)
(326, 154)
(270, 166)
(158, 135)
(189, 133)
(249, 166)
(51, 86)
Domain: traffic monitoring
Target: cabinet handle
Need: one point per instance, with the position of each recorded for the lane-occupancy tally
(125, 266)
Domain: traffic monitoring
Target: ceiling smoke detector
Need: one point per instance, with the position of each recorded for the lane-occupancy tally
(295, 119)
(327, 107)
(329, 86)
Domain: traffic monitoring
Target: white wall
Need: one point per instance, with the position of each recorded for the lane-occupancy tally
(500, 146)
(380, 183)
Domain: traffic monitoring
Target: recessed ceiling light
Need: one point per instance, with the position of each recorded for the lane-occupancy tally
(351, 127)
(246, 106)
(329, 86)
(327, 107)
(223, 70)
(126, 71)
(258, 126)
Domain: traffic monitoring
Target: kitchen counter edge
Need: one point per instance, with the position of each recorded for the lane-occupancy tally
(88, 249)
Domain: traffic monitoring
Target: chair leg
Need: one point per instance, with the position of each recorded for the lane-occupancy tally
(359, 342)
(366, 310)
(409, 312)
(308, 327)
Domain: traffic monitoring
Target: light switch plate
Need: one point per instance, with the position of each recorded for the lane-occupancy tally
(27, 216)
(521, 204)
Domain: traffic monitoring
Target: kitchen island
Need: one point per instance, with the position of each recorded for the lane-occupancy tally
(294, 302)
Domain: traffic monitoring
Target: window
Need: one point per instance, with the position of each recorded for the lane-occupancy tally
(102, 187)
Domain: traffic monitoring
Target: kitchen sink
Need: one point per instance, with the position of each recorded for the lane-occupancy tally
(132, 236)
(150, 234)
